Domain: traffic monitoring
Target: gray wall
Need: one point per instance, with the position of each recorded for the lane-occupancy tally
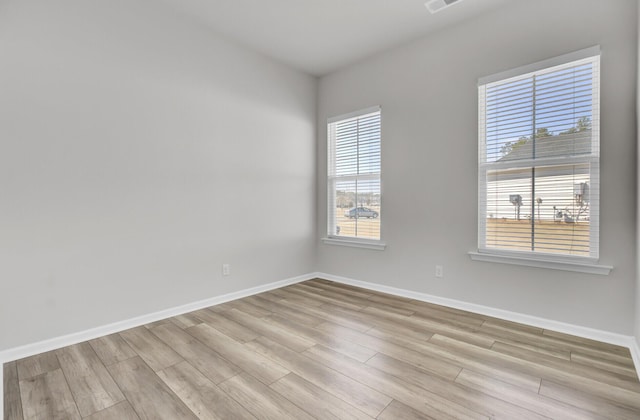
(637, 331)
(138, 152)
(427, 90)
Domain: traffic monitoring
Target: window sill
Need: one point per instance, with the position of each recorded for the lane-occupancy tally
(577, 266)
(355, 243)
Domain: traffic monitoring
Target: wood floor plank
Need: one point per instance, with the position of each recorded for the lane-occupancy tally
(149, 396)
(409, 331)
(338, 315)
(346, 298)
(12, 401)
(606, 347)
(606, 365)
(315, 400)
(464, 360)
(203, 358)
(458, 333)
(398, 337)
(112, 349)
(491, 406)
(285, 293)
(390, 346)
(559, 365)
(150, 348)
(447, 309)
(120, 411)
(398, 389)
(261, 368)
(551, 341)
(586, 401)
(539, 343)
(364, 398)
(203, 397)
(396, 410)
(604, 355)
(185, 320)
(306, 285)
(376, 296)
(391, 307)
(583, 383)
(438, 313)
(222, 307)
(329, 339)
(249, 308)
(262, 401)
(305, 292)
(532, 401)
(33, 366)
(92, 387)
(278, 334)
(342, 289)
(379, 319)
(467, 334)
(227, 326)
(157, 323)
(560, 354)
(511, 326)
(446, 317)
(47, 396)
(336, 287)
(286, 311)
(349, 289)
(273, 297)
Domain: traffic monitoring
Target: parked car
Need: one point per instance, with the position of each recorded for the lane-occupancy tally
(361, 212)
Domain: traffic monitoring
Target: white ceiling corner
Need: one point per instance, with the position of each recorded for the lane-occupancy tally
(321, 36)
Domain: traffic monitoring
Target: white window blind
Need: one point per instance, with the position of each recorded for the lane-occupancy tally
(539, 156)
(354, 194)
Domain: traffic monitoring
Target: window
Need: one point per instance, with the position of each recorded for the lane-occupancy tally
(539, 156)
(353, 184)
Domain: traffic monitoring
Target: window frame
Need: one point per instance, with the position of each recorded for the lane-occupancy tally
(588, 264)
(332, 238)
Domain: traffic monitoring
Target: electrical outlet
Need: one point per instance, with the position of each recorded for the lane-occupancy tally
(439, 271)
(226, 269)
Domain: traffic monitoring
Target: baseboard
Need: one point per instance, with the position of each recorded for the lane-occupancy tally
(585, 332)
(635, 353)
(90, 334)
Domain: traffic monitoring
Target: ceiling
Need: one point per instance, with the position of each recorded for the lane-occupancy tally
(321, 36)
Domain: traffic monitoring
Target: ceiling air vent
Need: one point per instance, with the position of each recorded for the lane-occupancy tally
(437, 5)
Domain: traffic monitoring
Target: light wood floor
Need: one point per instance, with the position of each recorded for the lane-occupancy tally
(323, 350)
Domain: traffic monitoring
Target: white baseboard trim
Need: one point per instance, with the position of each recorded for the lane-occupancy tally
(585, 332)
(90, 334)
(635, 353)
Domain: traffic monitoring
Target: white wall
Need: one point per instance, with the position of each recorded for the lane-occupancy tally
(637, 319)
(138, 152)
(428, 94)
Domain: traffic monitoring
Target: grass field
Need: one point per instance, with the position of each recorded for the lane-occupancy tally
(550, 236)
